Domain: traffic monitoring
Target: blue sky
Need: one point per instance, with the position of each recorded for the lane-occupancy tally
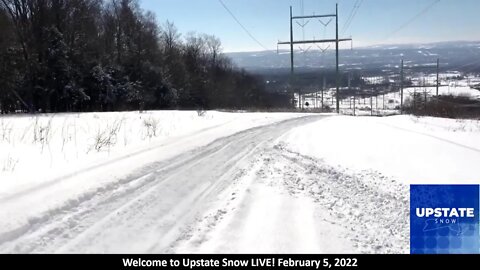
(376, 22)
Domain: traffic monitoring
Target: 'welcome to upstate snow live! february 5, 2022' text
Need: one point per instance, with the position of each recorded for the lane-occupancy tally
(253, 262)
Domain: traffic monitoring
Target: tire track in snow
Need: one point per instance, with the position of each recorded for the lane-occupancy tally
(434, 137)
(290, 203)
(87, 202)
(133, 214)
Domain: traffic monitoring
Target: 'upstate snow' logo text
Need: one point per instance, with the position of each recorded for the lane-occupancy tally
(445, 215)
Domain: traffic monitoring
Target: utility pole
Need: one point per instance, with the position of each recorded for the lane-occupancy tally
(349, 89)
(438, 74)
(371, 106)
(425, 97)
(292, 81)
(401, 87)
(337, 40)
(414, 100)
(384, 101)
(354, 104)
(336, 57)
(323, 88)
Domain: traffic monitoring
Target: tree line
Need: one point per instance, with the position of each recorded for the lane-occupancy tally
(104, 55)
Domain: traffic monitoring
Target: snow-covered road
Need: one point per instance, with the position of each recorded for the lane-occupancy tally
(167, 206)
(289, 203)
(283, 184)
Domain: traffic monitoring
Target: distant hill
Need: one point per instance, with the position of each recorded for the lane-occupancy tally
(459, 55)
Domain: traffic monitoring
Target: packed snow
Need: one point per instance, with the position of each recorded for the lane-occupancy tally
(51, 162)
(222, 182)
(343, 181)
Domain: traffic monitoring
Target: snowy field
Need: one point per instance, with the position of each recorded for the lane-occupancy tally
(35, 149)
(414, 150)
(222, 182)
(388, 104)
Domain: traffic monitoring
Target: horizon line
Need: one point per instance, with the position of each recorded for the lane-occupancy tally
(369, 46)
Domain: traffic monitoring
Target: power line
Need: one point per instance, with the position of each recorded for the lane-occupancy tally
(352, 15)
(241, 25)
(350, 19)
(304, 49)
(422, 12)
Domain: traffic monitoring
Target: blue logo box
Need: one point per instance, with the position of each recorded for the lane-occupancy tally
(444, 219)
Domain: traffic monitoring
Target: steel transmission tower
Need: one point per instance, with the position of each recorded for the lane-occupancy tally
(337, 41)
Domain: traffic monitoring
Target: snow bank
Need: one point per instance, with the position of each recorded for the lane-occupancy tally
(36, 149)
(411, 149)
